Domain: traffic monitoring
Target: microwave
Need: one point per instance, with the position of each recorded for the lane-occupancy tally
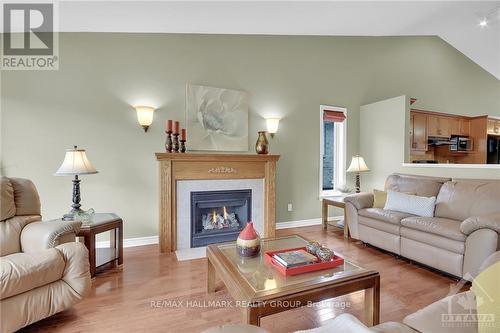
(461, 143)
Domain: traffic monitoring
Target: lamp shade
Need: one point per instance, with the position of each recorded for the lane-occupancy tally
(75, 163)
(358, 164)
(145, 115)
(272, 125)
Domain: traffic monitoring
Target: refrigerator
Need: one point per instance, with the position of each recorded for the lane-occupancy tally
(493, 149)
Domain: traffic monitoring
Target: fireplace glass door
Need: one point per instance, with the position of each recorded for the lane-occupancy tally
(219, 216)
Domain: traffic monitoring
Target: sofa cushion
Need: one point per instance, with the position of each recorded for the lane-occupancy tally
(7, 205)
(25, 196)
(434, 318)
(433, 240)
(383, 214)
(420, 185)
(460, 199)
(10, 233)
(411, 204)
(439, 226)
(20, 272)
(392, 327)
(391, 228)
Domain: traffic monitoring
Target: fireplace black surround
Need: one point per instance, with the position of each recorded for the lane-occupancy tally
(219, 216)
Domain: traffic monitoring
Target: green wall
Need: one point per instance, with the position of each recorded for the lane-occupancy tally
(88, 102)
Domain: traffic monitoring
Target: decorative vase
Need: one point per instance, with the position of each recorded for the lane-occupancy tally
(313, 247)
(324, 253)
(248, 242)
(262, 145)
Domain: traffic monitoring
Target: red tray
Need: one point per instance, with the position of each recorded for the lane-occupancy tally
(332, 263)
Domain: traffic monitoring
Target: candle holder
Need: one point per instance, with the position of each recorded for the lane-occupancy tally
(183, 146)
(175, 143)
(168, 142)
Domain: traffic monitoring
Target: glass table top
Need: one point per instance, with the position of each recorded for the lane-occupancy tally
(262, 276)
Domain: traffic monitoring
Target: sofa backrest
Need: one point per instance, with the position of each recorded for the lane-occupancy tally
(18, 197)
(424, 186)
(462, 198)
(19, 205)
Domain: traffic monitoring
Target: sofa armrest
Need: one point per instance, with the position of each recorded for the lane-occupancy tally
(471, 224)
(360, 200)
(44, 235)
(77, 270)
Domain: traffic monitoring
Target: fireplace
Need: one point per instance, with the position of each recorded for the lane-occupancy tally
(219, 216)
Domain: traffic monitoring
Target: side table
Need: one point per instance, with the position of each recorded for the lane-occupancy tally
(336, 202)
(100, 223)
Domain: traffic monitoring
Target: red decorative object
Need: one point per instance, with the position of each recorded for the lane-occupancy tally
(248, 242)
(169, 126)
(332, 263)
(176, 127)
(183, 134)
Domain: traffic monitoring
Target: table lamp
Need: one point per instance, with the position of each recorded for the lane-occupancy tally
(358, 165)
(75, 163)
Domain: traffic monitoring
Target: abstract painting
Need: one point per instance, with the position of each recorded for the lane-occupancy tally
(217, 118)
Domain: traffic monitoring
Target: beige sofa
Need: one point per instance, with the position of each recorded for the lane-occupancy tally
(462, 234)
(42, 269)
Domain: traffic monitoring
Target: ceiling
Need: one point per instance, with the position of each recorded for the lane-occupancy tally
(456, 22)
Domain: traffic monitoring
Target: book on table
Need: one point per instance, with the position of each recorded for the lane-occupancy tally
(295, 258)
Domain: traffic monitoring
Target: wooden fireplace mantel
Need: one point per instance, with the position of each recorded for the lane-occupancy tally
(192, 166)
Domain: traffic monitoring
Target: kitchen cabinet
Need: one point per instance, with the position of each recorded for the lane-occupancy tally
(418, 131)
(464, 127)
(440, 126)
(494, 126)
(445, 126)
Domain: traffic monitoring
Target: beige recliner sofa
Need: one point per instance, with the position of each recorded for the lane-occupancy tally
(462, 234)
(42, 269)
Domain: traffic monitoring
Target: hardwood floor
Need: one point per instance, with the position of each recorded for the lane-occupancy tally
(120, 300)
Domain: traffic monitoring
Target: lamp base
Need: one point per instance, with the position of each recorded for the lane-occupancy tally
(71, 215)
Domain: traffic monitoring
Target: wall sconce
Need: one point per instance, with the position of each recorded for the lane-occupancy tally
(272, 125)
(145, 116)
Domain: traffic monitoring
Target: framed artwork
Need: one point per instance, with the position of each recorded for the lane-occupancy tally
(216, 118)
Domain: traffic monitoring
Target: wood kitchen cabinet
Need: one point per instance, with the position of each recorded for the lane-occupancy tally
(494, 126)
(418, 131)
(464, 127)
(446, 126)
(438, 126)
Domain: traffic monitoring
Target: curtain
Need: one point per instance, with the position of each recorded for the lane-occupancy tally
(333, 116)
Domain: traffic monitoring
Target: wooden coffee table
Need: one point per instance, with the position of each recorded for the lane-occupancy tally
(260, 290)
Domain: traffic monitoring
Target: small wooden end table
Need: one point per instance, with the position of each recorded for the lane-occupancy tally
(260, 290)
(100, 223)
(336, 202)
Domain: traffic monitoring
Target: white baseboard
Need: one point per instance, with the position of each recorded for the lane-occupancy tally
(131, 242)
(303, 223)
(149, 240)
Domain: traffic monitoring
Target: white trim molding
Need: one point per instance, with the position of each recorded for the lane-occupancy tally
(132, 242)
(304, 223)
(451, 166)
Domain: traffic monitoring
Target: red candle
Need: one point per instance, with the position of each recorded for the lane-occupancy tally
(183, 134)
(176, 127)
(169, 125)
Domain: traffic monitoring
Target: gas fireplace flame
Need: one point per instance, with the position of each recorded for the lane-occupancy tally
(225, 213)
(214, 217)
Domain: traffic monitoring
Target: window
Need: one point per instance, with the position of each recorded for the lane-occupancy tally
(332, 150)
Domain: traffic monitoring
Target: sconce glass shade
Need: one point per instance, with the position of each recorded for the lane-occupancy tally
(272, 125)
(145, 116)
(358, 164)
(75, 163)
